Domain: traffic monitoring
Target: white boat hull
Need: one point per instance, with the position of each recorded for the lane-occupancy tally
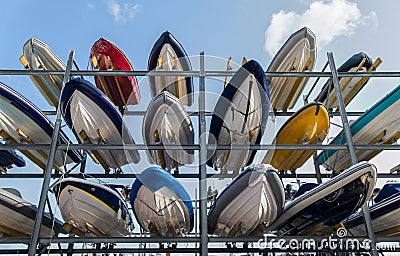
(161, 212)
(298, 54)
(238, 129)
(41, 57)
(168, 54)
(13, 120)
(255, 207)
(176, 85)
(15, 224)
(89, 117)
(88, 214)
(167, 123)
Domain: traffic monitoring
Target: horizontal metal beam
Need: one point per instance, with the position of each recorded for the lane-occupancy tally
(213, 250)
(298, 238)
(104, 251)
(188, 239)
(218, 246)
(272, 74)
(232, 245)
(217, 175)
(193, 73)
(209, 113)
(304, 147)
(98, 147)
(196, 147)
(125, 240)
(99, 73)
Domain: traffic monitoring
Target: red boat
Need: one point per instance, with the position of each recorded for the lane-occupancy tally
(122, 90)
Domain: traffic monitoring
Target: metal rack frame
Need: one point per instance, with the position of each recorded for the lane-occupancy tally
(204, 239)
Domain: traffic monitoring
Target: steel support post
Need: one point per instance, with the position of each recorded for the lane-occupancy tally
(316, 167)
(202, 160)
(49, 166)
(350, 144)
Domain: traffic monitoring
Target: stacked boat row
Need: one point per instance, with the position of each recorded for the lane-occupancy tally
(252, 204)
(160, 203)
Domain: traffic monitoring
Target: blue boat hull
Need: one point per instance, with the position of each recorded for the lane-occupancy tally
(384, 215)
(316, 211)
(161, 204)
(9, 158)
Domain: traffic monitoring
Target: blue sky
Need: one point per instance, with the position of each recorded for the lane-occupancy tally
(220, 28)
(254, 29)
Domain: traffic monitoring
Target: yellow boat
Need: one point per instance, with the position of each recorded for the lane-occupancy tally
(309, 125)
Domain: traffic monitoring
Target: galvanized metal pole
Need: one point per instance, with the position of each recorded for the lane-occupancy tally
(49, 166)
(202, 160)
(350, 144)
(342, 109)
(196, 208)
(316, 167)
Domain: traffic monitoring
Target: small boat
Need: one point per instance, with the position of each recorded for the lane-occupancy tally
(161, 204)
(297, 54)
(168, 55)
(395, 169)
(38, 56)
(166, 122)
(17, 217)
(320, 209)
(350, 86)
(90, 207)
(309, 125)
(378, 125)
(93, 118)
(22, 122)
(384, 214)
(122, 90)
(249, 204)
(239, 118)
(8, 158)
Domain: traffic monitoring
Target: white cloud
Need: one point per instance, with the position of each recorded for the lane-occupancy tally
(327, 19)
(122, 12)
(90, 6)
